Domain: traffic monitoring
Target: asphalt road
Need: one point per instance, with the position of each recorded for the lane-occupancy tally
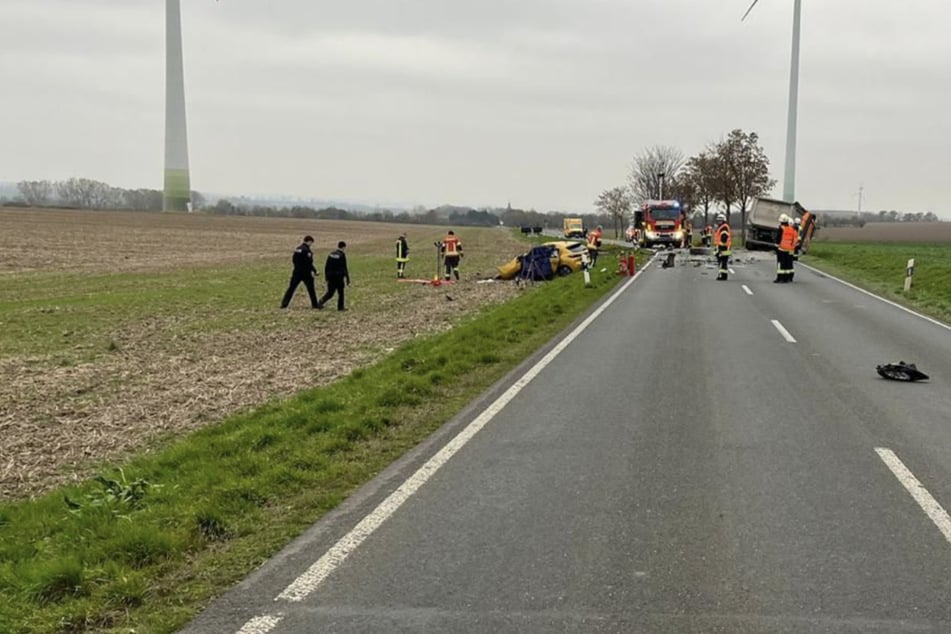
(702, 456)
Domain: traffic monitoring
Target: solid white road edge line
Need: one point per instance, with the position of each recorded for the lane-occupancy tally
(260, 625)
(746, 289)
(871, 294)
(308, 582)
(928, 504)
(782, 330)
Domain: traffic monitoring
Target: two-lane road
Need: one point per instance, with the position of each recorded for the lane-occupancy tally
(697, 456)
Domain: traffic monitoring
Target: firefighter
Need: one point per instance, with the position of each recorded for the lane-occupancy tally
(451, 249)
(723, 243)
(707, 237)
(304, 271)
(797, 225)
(688, 233)
(402, 256)
(594, 243)
(337, 274)
(785, 247)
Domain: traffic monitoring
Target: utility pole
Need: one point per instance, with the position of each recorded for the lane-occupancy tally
(861, 191)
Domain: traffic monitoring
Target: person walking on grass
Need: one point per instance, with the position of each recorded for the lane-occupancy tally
(451, 249)
(337, 275)
(304, 271)
(402, 256)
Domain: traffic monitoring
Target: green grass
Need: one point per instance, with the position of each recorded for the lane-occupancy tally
(880, 268)
(145, 547)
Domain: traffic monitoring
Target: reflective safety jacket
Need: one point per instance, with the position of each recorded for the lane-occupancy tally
(402, 250)
(723, 239)
(594, 240)
(451, 246)
(788, 238)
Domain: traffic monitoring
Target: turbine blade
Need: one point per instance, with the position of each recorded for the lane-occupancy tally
(748, 10)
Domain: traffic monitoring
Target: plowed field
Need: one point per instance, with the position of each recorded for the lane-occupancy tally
(100, 356)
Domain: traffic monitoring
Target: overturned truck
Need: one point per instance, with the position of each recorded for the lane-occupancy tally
(762, 223)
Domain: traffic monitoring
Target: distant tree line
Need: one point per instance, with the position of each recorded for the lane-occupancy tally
(860, 219)
(85, 193)
(442, 215)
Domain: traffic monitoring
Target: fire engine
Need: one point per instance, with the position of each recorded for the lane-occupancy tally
(660, 222)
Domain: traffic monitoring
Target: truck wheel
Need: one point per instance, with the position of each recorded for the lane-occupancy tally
(564, 270)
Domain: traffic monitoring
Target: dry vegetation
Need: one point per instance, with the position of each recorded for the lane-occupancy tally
(58, 422)
(931, 232)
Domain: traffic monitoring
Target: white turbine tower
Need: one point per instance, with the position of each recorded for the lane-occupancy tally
(789, 177)
(177, 195)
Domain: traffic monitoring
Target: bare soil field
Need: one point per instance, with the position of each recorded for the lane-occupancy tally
(58, 422)
(930, 232)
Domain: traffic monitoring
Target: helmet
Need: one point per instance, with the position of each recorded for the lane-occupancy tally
(797, 221)
(721, 217)
(783, 219)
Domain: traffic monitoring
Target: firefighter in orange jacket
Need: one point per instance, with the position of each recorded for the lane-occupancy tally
(723, 244)
(451, 250)
(787, 237)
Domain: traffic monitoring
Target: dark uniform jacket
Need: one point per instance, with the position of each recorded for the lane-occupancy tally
(402, 249)
(336, 266)
(304, 260)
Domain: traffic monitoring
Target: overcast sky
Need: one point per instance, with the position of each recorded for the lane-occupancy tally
(541, 103)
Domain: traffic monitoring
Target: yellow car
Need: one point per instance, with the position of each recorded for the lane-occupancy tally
(565, 259)
(569, 256)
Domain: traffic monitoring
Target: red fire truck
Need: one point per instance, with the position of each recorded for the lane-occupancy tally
(660, 222)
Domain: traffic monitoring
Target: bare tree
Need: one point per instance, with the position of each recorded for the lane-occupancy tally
(700, 175)
(748, 168)
(654, 171)
(36, 193)
(615, 202)
(86, 193)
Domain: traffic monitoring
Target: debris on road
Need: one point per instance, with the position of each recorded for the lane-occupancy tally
(901, 371)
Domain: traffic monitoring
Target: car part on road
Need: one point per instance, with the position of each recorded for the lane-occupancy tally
(901, 371)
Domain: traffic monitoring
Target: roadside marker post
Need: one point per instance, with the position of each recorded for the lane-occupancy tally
(909, 274)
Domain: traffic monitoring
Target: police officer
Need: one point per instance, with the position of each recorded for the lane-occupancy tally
(723, 244)
(304, 271)
(402, 256)
(337, 274)
(451, 248)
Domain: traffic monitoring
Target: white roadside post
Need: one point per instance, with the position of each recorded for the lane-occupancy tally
(909, 273)
(584, 267)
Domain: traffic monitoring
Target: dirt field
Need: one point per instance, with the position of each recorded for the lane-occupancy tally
(930, 232)
(58, 422)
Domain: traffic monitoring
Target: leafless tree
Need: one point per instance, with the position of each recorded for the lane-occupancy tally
(747, 168)
(86, 193)
(615, 202)
(36, 193)
(700, 175)
(654, 172)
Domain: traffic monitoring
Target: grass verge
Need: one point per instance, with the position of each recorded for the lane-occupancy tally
(147, 545)
(880, 268)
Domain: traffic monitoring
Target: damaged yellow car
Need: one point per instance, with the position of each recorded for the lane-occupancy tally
(565, 259)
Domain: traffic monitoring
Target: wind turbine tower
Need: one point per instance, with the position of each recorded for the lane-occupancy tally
(789, 176)
(177, 196)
